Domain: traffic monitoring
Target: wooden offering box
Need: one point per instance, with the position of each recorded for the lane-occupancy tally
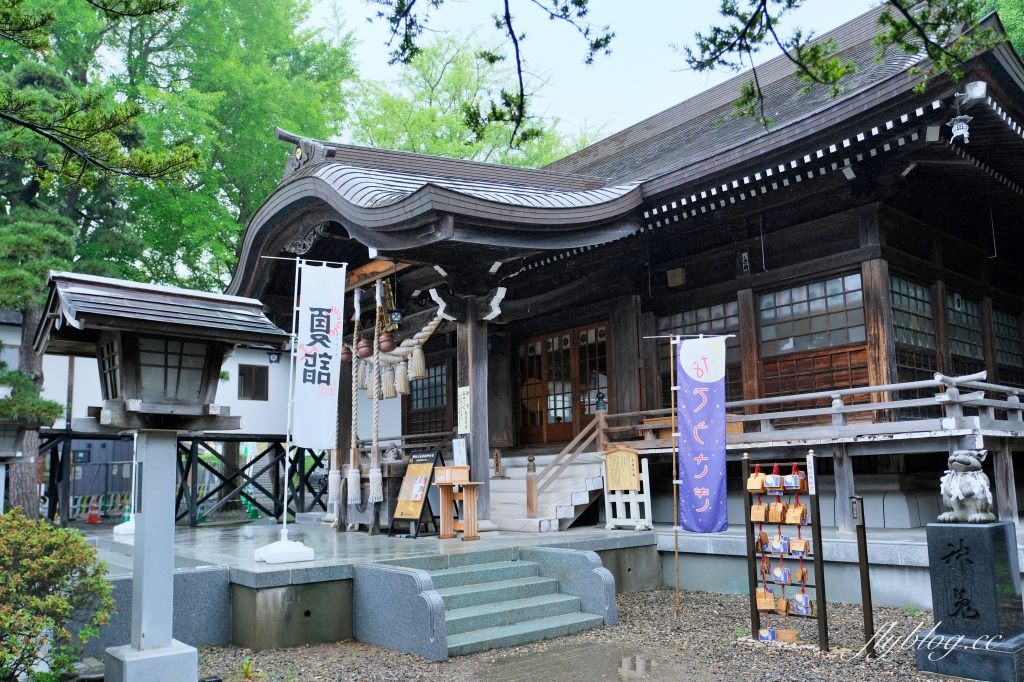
(451, 474)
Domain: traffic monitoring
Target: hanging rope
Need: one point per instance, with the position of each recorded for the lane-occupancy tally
(355, 493)
(376, 479)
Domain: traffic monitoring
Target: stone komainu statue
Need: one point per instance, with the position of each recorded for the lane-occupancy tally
(965, 489)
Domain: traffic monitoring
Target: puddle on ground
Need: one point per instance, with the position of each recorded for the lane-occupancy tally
(578, 663)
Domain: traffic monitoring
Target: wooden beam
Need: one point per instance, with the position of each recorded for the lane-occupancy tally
(371, 272)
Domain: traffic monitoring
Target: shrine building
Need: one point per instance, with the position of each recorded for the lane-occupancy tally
(856, 241)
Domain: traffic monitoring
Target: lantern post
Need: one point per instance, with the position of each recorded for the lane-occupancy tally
(159, 352)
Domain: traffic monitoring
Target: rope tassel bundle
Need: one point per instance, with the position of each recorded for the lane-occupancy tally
(418, 364)
(402, 379)
(376, 486)
(388, 385)
(355, 489)
(360, 374)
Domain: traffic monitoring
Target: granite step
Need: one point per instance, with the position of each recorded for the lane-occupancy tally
(509, 612)
(520, 633)
(464, 596)
(482, 573)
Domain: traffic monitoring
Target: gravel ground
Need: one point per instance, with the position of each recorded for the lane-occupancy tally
(646, 645)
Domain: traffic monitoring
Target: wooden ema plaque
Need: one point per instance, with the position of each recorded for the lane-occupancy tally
(623, 467)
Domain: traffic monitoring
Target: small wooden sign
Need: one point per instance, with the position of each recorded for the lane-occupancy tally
(463, 405)
(414, 487)
(623, 467)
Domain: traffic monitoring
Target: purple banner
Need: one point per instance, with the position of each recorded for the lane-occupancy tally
(700, 406)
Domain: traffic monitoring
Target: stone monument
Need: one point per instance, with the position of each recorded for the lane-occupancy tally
(975, 576)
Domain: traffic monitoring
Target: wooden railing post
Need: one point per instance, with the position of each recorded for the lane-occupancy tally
(531, 487)
(602, 439)
(839, 418)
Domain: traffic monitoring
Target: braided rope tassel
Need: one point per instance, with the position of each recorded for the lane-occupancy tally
(355, 493)
(376, 478)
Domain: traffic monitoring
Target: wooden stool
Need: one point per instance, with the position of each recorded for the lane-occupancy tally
(448, 497)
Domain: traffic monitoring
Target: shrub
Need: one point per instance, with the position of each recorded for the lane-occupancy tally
(53, 591)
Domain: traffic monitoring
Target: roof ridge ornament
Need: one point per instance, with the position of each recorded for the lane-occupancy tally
(306, 152)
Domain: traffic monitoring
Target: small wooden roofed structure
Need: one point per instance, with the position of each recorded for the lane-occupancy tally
(79, 307)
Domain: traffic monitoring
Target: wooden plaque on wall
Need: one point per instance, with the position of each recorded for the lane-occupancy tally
(623, 468)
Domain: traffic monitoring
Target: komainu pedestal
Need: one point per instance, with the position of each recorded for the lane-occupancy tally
(976, 597)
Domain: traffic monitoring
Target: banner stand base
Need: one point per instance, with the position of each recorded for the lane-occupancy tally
(283, 551)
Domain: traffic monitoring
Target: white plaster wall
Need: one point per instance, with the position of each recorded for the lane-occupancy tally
(258, 416)
(11, 338)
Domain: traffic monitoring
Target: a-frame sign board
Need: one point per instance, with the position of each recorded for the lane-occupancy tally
(419, 476)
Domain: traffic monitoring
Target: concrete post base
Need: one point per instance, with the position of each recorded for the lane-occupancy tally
(175, 663)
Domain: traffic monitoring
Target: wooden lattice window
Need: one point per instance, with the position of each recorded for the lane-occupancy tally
(1009, 350)
(839, 369)
(913, 321)
(428, 401)
(965, 330)
(818, 315)
(712, 320)
(109, 360)
(916, 366)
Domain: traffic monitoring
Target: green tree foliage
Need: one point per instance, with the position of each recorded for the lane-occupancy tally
(52, 588)
(432, 108)
(1011, 13)
(218, 78)
(68, 130)
(32, 242)
(19, 398)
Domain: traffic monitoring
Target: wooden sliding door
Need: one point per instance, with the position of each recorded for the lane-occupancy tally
(563, 381)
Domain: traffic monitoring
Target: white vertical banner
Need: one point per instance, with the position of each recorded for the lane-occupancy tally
(317, 356)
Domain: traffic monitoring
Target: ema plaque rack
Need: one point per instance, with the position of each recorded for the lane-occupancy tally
(778, 559)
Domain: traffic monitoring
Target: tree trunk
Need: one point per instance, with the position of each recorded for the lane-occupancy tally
(24, 483)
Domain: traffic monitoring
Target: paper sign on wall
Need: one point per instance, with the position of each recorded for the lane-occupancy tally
(623, 467)
(463, 405)
(459, 452)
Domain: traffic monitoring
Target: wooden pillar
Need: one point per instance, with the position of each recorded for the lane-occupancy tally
(879, 324)
(472, 372)
(844, 489)
(988, 340)
(1006, 489)
(750, 356)
(624, 356)
(501, 404)
(650, 369)
(343, 443)
(940, 317)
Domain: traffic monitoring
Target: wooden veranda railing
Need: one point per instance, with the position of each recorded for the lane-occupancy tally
(437, 440)
(848, 415)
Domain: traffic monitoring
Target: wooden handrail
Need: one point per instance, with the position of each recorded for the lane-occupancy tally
(538, 483)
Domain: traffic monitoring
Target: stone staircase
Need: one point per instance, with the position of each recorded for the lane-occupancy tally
(503, 604)
(565, 499)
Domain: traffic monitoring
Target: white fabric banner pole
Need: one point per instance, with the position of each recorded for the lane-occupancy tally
(313, 385)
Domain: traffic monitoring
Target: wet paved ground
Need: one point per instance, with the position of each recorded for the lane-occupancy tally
(578, 662)
(649, 644)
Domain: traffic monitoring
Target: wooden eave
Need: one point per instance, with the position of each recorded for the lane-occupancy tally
(79, 306)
